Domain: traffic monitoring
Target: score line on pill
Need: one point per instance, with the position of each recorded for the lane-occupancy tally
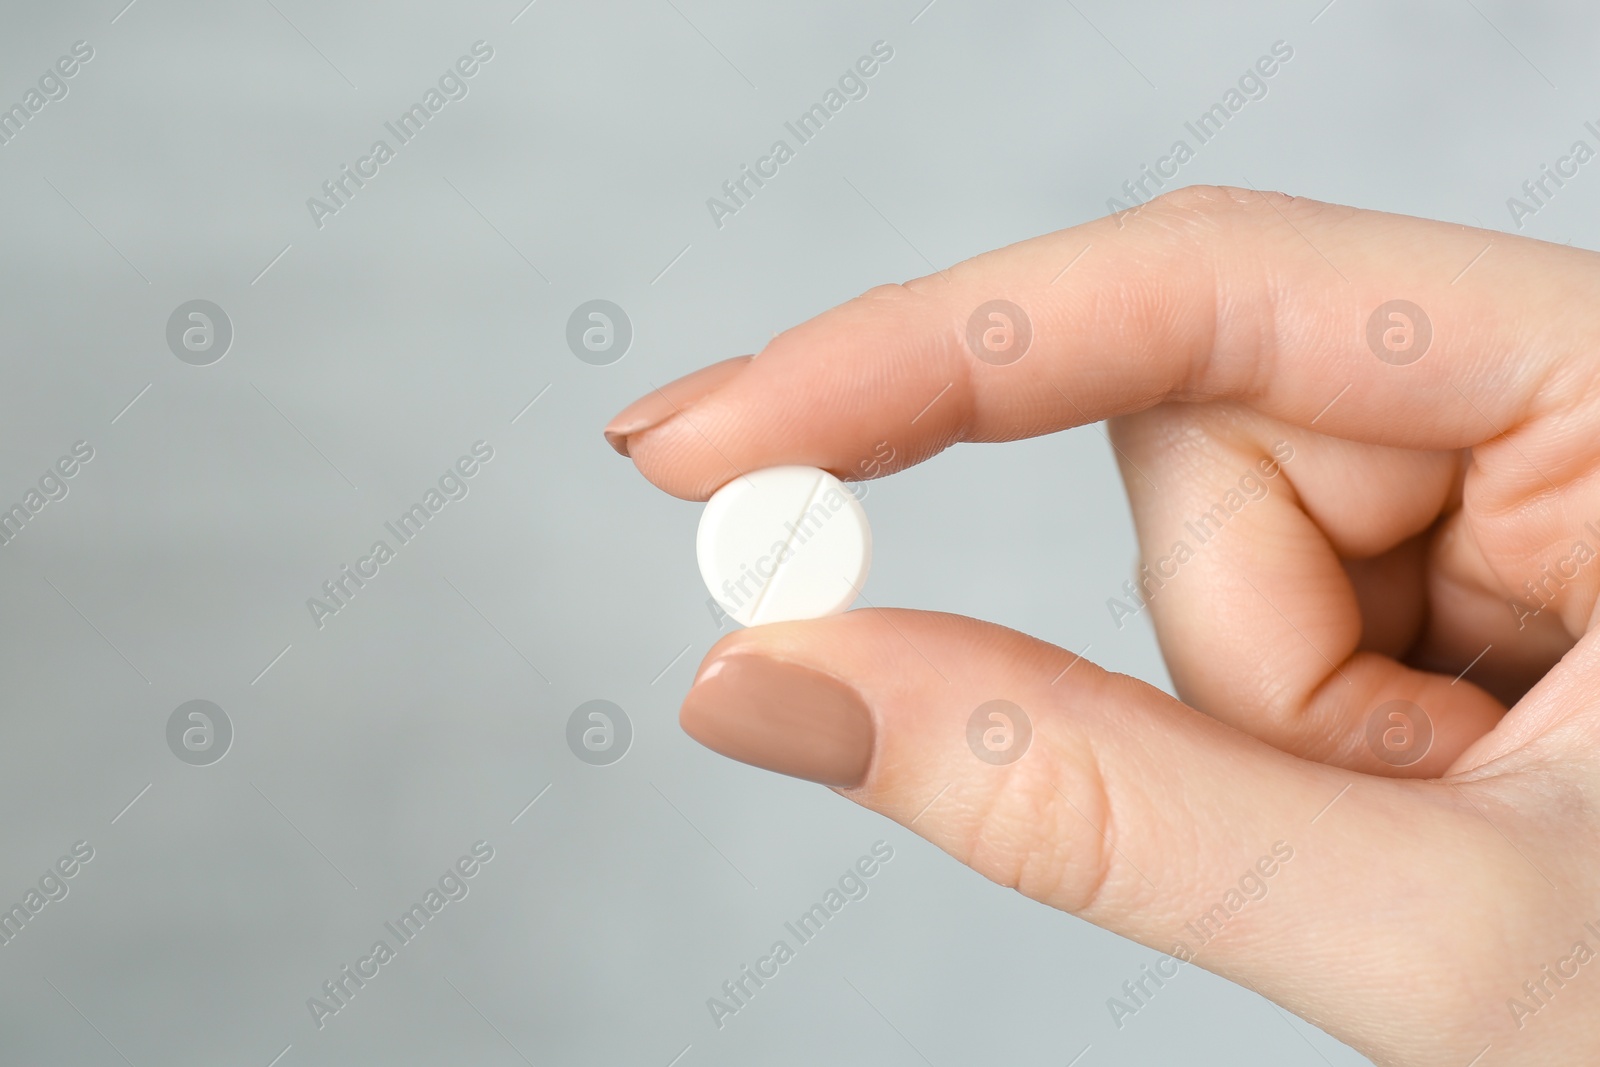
(783, 543)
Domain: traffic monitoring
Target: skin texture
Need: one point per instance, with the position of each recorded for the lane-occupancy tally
(1211, 327)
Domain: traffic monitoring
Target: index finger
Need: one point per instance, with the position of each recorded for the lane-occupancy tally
(1360, 324)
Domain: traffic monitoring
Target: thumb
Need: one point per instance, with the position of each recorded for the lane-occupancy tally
(1102, 796)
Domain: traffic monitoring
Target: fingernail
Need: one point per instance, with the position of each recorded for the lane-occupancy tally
(659, 405)
(781, 717)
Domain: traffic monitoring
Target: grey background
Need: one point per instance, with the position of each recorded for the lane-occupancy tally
(424, 317)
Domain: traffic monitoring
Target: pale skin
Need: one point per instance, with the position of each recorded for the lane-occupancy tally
(1388, 553)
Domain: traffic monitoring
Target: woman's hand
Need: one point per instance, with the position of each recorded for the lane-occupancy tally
(1368, 528)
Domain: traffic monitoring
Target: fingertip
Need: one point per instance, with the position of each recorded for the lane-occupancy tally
(665, 403)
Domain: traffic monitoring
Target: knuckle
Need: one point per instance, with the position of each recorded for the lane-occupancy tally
(1206, 197)
(875, 314)
(1045, 830)
(876, 311)
(1206, 200)
(1216, 205)
(1213, 207)
(890, 296)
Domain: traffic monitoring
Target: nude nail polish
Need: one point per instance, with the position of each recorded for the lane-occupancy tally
(781, 717)
(659, 405)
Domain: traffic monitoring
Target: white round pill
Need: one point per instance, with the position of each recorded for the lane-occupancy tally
(783, 543)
